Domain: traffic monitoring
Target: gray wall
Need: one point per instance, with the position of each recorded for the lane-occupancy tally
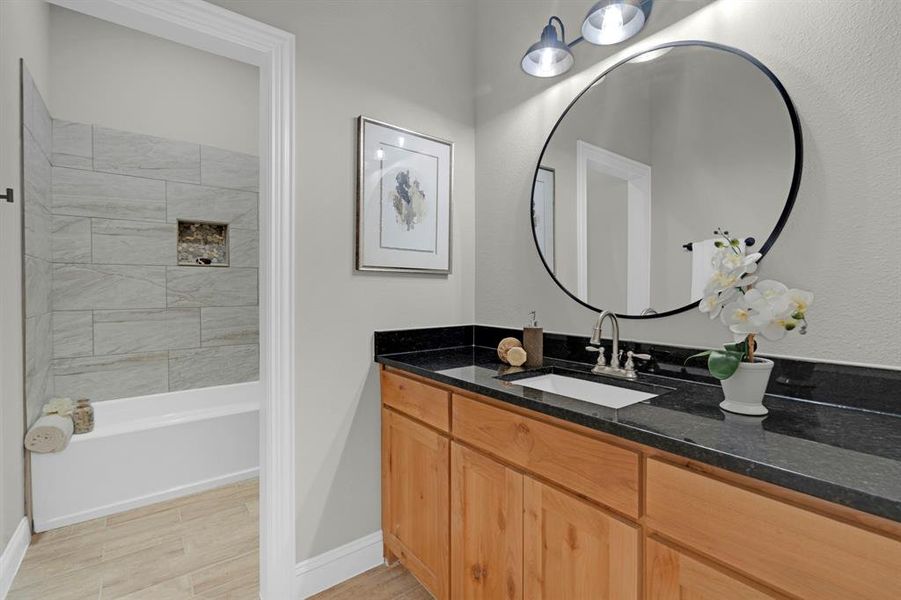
(36, 202)
(608, 237)
(126, 320)
(621, 126)
(23, 33)
(405, 62)
(722, 154)
(117, 77)
(840, 67)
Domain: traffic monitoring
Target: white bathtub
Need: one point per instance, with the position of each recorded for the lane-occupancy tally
(148, 449)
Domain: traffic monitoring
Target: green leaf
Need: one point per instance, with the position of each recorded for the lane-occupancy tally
(698, 355)
(741, 347)
(722, 364)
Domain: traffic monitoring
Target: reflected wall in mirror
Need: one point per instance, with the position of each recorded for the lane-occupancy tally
(648, 161)
(543, 213)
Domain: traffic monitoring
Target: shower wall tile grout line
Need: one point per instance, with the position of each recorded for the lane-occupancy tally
(86, 170)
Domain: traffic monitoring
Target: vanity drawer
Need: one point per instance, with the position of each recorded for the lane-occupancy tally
(603, 472)
(673, 575)
(798, 551)
(421, 401)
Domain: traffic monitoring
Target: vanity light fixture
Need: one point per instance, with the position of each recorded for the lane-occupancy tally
(549, 56)
(614, 21)
(608, 22)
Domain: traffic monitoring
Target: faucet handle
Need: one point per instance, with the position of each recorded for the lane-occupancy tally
(602, 362)
(630, 366)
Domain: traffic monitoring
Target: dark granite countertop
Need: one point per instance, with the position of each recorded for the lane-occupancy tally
(844, 455)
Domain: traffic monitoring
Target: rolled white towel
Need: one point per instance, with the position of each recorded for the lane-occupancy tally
(50, 433)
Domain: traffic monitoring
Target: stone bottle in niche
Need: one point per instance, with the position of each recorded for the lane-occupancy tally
(533, 342)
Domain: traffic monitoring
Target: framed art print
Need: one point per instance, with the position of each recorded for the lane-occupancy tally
(403, 200)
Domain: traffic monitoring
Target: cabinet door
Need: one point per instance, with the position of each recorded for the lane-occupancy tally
(486, 526)
(672, 575)
(415, 499)
(574, 550)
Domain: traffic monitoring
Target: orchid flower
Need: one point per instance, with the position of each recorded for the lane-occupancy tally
(768, 309)
(732, 261)
(722, 281)
(737, 316)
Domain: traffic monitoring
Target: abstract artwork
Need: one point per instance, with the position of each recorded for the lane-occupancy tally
(403, 200)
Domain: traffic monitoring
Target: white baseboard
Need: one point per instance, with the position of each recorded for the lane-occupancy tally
(12, 556)
(331, 568)
(176, 492)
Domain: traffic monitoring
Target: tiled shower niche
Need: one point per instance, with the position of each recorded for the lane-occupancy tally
(202, 244)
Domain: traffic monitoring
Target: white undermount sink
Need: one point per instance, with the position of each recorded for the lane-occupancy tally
(601, 394)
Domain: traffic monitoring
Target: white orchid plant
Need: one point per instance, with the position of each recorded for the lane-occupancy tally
(748, 307)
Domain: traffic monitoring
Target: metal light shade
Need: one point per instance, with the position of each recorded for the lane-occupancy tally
(613, 21)
(549, 56)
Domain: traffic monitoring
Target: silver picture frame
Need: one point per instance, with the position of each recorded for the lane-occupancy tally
(360, 264)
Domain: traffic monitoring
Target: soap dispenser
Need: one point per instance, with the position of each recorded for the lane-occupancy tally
(533, 342)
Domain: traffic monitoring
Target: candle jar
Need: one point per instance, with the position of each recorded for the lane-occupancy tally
(83, 416)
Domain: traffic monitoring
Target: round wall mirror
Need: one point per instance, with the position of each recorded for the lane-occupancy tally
(648, 161)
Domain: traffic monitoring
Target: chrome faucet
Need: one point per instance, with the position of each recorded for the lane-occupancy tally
(601, 367)
(596, 339)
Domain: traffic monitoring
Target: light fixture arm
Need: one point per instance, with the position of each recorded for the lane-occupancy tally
(550, 23)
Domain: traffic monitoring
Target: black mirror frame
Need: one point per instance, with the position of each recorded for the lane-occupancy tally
(792, 191)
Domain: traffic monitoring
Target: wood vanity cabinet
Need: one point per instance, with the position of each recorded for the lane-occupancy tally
(485, 501)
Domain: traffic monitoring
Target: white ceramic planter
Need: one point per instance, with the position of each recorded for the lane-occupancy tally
(745, 389)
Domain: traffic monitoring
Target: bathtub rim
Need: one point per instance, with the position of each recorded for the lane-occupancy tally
(238, 398)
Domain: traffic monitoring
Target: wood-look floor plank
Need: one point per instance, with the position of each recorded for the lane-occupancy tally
(178, 588)
(75, 585)
(203, 546)
(381, 583)
(227, 575)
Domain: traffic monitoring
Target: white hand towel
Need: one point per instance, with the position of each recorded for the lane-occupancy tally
(701, 267)
(50, 433)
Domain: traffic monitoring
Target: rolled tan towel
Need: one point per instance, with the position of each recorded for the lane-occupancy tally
(50, 433)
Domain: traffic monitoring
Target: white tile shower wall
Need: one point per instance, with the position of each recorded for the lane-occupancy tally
(36, 205)
(73, 145)
(145, 156)
(126, 319)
